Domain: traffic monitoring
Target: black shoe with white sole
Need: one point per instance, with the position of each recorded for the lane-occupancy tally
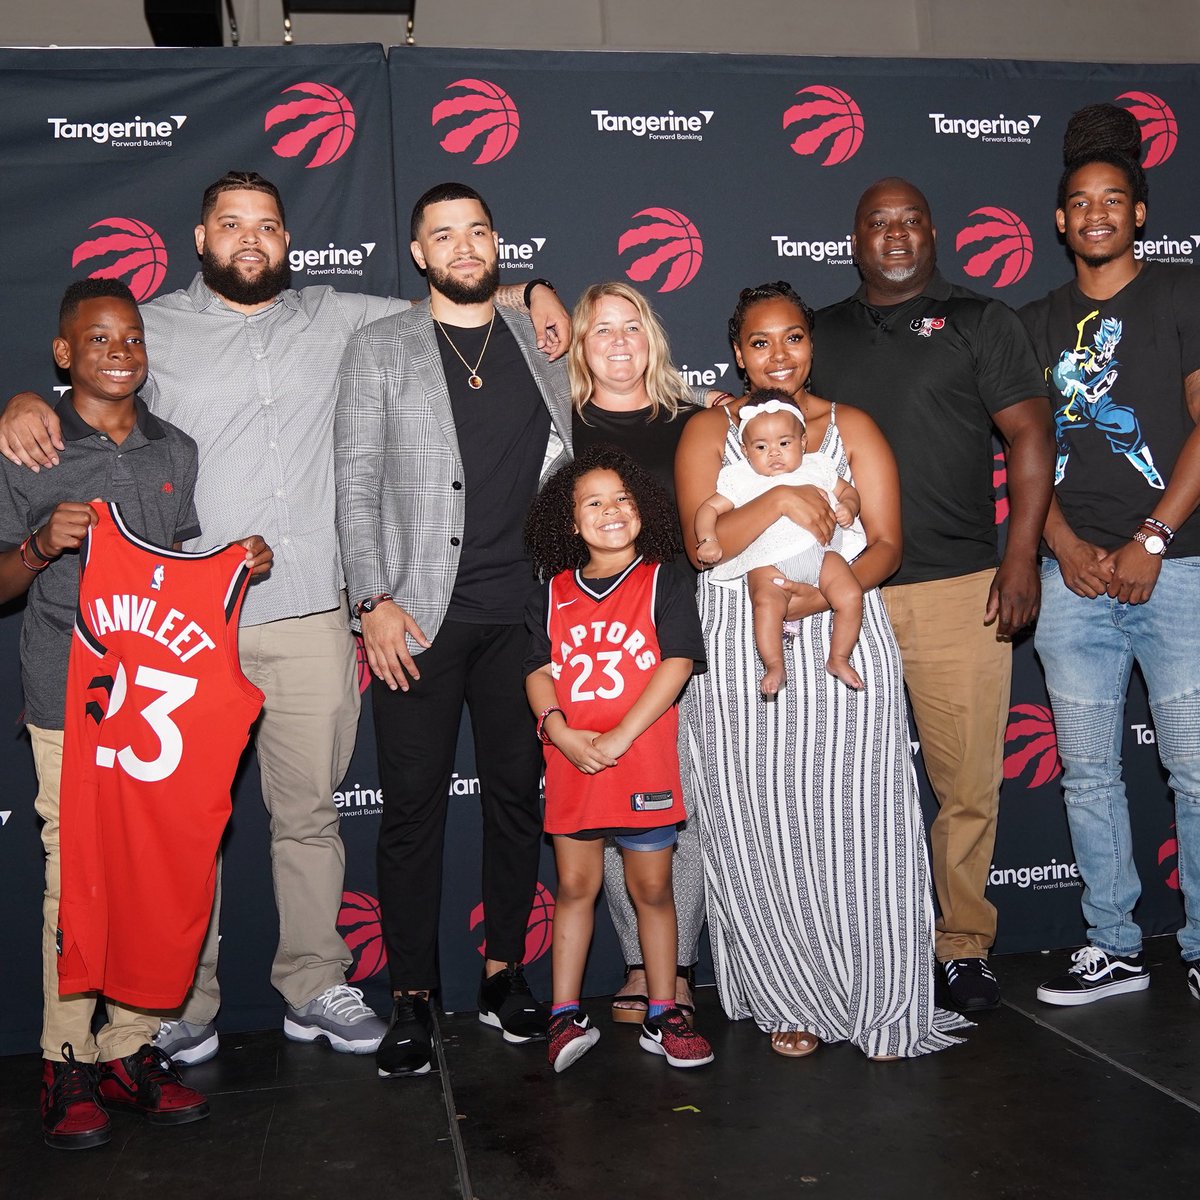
(1094, 975)
(970, 984)
(407, 1046)
(507, 1004)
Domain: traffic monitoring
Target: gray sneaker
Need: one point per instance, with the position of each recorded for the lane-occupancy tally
(339, 1015)
(186, 1044)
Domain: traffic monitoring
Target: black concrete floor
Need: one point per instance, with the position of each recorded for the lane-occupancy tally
(1099, 1101)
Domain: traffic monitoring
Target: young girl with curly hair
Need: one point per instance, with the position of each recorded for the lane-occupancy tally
(615, 637)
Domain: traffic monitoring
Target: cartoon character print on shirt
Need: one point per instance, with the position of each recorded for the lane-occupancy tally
(1085, 377)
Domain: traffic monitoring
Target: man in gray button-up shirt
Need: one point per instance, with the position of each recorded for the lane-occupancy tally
(248, 367)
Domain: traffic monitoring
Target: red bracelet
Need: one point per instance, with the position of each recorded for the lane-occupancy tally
(541, 722)
(34, 567)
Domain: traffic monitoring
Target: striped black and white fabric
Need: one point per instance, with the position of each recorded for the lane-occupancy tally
(816, 872)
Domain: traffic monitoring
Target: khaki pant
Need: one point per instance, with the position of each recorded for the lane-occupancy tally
(959, 682)
(307, 669)
(69, 1018)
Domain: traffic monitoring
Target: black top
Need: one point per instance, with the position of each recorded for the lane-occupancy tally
(932, 372)
(651, 444)
(502, 428)
(1115, 370)
(151, 475)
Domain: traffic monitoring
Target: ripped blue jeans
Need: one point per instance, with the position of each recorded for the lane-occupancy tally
(1088, 648)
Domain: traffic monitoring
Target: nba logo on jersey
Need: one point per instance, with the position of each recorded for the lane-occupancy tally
(156, 579)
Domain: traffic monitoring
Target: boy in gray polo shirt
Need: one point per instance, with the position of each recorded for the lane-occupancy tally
(116, 450)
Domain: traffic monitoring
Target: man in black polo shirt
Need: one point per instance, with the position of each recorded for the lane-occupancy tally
(447, 418)
(938, 368)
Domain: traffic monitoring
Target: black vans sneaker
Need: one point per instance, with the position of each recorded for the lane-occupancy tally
(1094, 975)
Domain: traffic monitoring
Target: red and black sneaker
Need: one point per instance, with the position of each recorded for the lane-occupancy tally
(71, 1118)
(671, 1036)
(148, 1082)
(572, 1035)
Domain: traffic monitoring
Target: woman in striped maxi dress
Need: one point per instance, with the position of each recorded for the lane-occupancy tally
(816, 872)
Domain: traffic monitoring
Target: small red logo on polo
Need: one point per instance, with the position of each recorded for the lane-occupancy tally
(827, 114)
(675, 240)
(1167, 851)
(1030, 745)
(1005, 246)
(134, 253)
(168, 487)
(320, 125)
(1000, 480)
(1160, 130)
(358, 923)
(539, 930)
(492, 121)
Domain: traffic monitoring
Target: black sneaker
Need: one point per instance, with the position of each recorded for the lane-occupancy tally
(1193, 978)
(71, 1117)
(407, 1046)
(507, 1004)
(1094, 975)
(970, 984)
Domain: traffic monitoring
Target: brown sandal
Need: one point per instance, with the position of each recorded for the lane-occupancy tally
(639, 1003)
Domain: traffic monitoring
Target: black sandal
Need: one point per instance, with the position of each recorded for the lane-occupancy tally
(635, 1015)
(688, 1010)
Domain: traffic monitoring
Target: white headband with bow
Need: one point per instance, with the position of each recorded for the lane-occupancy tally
(768, 406)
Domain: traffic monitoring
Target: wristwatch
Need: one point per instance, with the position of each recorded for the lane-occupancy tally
(1152, 543)
(371, 603)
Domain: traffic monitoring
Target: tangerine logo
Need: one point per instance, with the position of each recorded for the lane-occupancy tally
(538, 931)
(677, 242)
(1030, 743)
(1166, 852)
(493, 117)
(323, 120)
(1000, 480)
(358, 923)
(137, 255)
(1007, 243)
(828, 115)
(1160, 130)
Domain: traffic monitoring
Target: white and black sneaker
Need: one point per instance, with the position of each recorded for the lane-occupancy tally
(1094, 975)
(1193, 978)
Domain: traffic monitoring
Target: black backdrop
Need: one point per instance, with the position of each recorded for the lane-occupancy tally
(692, 176)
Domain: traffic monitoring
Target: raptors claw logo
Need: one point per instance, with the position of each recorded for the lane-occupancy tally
(924, 326)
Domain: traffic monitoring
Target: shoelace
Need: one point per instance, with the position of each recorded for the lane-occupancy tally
(970, 966)
(516, 979)
(164, 1032)
(1087, 960)
(342, 1000)
(74, 1084)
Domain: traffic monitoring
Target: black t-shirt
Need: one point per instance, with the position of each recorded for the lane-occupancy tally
(651, 444)
(676, 621)
(931, 373)
(1115, 370)
(502, 428)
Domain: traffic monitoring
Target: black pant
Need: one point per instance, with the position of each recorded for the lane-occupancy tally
(416, 733)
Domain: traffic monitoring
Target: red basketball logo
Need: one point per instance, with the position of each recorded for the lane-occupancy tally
(364, 667)
(137, 255)
(1166, 852)
(1000, 480)
(1160, 130)
(321, 123)
(1030, 743)
(1005, 244)
(358, 923)
(492, 120)
(539, 930)
(675, 240)
(828, 115)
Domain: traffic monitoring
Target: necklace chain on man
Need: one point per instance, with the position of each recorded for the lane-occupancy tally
(474, 379)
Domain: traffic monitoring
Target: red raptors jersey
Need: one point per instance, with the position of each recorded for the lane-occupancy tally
(602, 654)
(158, 713)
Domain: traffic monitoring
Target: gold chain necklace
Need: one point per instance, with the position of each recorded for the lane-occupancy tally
(474, 379)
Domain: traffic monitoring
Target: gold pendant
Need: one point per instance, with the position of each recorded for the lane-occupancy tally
(475, 381)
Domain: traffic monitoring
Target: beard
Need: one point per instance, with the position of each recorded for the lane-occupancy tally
(465, 291)
(226, 280)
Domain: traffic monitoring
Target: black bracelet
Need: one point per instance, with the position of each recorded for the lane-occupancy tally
(32, 542)
(532, 284)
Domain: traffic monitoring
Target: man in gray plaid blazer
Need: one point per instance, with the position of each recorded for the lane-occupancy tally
(448, 419)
